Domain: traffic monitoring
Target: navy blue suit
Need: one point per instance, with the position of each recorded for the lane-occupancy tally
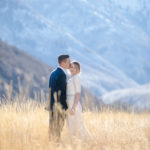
(58, 82)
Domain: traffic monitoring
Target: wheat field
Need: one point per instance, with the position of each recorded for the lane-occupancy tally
(24, 126)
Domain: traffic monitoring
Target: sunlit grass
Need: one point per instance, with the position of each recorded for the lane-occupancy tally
(24, 126)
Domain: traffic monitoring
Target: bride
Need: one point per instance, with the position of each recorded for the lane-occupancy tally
(74, 119)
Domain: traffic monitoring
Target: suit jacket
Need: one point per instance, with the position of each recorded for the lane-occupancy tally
(58, 82)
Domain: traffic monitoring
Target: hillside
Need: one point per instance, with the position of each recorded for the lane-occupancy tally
(23, 70)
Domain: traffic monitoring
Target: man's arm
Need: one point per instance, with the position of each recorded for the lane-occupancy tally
(62, 87)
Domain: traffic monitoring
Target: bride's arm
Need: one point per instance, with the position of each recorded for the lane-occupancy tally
(77, 85)
(76, 100)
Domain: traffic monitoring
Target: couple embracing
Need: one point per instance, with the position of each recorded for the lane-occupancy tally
(64, 95)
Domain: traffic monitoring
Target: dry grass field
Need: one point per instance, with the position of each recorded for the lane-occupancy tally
(24, 126)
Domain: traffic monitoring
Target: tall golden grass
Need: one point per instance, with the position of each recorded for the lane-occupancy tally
(25, 125)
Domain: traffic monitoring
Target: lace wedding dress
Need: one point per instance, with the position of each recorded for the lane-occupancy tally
(74, 122)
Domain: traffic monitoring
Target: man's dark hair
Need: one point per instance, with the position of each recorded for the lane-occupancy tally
(62, 58)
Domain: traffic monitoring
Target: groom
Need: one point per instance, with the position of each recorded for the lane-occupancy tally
(57, 93)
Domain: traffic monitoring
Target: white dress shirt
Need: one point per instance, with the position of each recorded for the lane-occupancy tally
(65, 71)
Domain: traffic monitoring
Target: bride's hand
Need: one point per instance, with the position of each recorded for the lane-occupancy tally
(71, 111)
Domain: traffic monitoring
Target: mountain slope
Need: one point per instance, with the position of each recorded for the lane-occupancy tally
(22, 69)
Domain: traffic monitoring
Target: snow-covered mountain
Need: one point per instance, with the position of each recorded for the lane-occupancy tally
(106, 36)
(44, 38)
(116, 30)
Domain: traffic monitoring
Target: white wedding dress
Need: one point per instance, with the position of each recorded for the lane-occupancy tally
(74, 122)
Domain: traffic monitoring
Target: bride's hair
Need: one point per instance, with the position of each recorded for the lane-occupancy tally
(77, 64)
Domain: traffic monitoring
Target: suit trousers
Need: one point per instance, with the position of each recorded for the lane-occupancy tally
(57, 120)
